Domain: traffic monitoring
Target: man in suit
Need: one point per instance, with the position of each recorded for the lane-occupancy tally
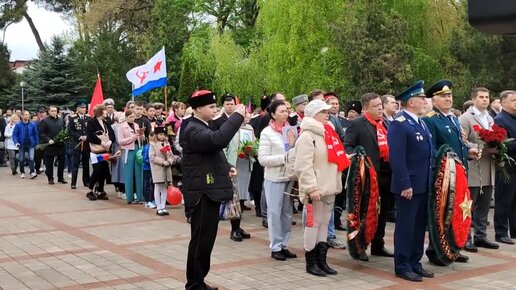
(445, 129)
(81, 151)
(505, 192)
(369, 132)
(206, 180)
(410, 156)
(481, 173)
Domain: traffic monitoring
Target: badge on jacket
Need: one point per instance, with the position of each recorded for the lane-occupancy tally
(210, 179)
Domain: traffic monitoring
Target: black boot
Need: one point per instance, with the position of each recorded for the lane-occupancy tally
(311, 263)
(322, 249)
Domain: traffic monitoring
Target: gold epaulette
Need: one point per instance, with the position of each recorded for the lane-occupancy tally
(401, 119)
(431, 114)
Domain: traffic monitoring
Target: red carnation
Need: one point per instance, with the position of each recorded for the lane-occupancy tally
(241, 155)
(248, 149)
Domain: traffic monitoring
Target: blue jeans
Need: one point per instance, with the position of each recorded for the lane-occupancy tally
(331, 227)
(21, 157)
(148, 189)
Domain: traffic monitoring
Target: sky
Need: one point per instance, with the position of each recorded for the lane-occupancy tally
(21, 41)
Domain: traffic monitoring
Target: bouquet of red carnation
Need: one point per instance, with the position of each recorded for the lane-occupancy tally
(165, 149)
(497, 138)
(248, 149)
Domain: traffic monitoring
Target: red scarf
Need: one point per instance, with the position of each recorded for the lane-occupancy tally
(277, 127)
(336, 153)
(381, 134)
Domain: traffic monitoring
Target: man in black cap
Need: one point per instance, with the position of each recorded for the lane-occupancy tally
(206, 180)
(81, 151)
(353, 110)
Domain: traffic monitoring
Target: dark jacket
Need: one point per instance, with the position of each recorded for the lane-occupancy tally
(205, 168)
(48, 130)
(508, 122)
(93, 128)
(19, 134)
(77, 127)
(362, 133)
(143, 122)
(3, 124)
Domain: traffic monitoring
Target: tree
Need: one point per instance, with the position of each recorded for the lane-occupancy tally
(52, 80)
(13, 11)
(7, 77)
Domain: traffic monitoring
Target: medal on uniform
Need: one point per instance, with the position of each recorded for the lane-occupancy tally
(448, 127)
(419, 137)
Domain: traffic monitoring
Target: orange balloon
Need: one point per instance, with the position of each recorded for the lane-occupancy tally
(174, 195)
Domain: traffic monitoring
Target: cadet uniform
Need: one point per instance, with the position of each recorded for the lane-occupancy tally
(410, 155)
(445, 129)
(81, 151)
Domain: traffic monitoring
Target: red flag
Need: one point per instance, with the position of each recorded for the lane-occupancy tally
(97, 98)
(237, 101)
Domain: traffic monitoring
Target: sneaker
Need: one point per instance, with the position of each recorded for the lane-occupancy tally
(336, 244)
(69, 175)
(123, 196)
(148, 204)
(152, 204)
(22, 176)
(33, 175)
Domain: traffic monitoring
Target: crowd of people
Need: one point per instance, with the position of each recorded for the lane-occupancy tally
(144, 148)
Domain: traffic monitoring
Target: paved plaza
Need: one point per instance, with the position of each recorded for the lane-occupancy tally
(52, 237)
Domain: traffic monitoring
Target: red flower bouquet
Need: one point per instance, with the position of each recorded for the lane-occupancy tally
(165, 149)
(497, 138)
(248, 150)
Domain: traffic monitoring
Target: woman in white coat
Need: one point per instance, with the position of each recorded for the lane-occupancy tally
(272, 156)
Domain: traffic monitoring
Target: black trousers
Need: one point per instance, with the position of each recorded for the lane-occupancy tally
(205, 222)
(49, 157)
(505, 207)
(98, 177)
(38, 159)
(81, 157)
(386, 198)
(340, 201)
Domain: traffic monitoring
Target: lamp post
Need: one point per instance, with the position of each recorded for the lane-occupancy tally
(22, 85)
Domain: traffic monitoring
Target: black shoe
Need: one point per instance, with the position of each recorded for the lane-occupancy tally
(73, 186)
(505, 240)
(382, 252)
(244, 234)
(288, 254)
(312, 267)
(62, 181)
(278, 256)
(363, 257)
(14, 172)
(235, 236)
(51, 182)
(485, 243)
(410, 276)
(462, 259)
(208, 287)
(470, 247)
(340, 228)
(265, 224)
(102, 196)
(322, 252)
(91, 196)
(424, 273)
(294, 223)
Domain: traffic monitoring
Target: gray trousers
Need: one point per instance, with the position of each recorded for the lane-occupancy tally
(263, 205)
(480, 209)
(279, 214)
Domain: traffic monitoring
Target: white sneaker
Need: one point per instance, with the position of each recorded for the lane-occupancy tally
(33, 175)
(124, 196)
(152, 205)
(22, 176)
(69, 175)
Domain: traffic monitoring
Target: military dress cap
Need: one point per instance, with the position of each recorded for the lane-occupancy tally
(108, 102)
(299, 100)
(414, 91)
(355, 106)
(81, 103)
(225, 96)
(440, 87)
(201, 98)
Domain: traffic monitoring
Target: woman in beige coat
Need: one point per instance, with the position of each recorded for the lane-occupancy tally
(161, 161)
(320, 160)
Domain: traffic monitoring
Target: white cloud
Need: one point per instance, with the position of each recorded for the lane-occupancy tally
(19, 37)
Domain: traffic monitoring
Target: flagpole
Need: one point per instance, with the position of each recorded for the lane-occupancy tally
(166, 99)
(132, 89)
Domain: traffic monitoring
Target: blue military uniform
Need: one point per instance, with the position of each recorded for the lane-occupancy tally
(410, 155)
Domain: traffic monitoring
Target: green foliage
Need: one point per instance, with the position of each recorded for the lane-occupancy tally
(7, 78)
(52, 79)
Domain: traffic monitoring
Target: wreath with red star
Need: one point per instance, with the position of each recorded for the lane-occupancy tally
(449, 207)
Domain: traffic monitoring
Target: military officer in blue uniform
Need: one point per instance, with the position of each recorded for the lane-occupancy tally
(410, 155)
(445, 129)
(81, 150)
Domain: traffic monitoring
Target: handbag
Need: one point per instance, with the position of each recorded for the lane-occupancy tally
(96, 148)
(230, 210)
